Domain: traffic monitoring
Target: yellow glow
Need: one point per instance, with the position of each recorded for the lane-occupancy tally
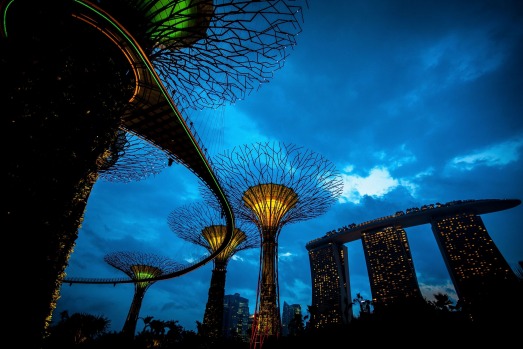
(144, 272)
(270, 202)
(215, 235)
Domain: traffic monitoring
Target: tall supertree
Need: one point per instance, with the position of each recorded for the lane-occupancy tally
(142, 268)
(238, 45)
(212, 52)
(203, 225)
(77, 72)
(273, 184)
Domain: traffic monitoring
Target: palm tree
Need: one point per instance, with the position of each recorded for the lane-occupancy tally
(441, 301)
(79, 328)
(146, 322)
(363, 303)
(158, 327)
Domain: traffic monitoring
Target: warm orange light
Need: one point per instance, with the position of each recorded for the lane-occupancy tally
(270, 202)
(215, 235)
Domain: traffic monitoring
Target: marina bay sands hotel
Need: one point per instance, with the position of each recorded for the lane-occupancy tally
(471, 257)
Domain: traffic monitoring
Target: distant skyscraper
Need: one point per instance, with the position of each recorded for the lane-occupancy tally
(331, 296)
(390, 267)
(236, 316)
(288, 314)
(476, 266)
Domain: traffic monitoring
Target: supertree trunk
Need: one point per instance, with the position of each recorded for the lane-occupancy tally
(269, 315)
(61, 111)
(129, 327)
(213, 317)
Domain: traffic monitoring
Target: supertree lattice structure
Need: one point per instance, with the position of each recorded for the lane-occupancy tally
(132, 158)
(273, 184)
(141, 268)
(212, 52)
(208, 53)
(203, 225)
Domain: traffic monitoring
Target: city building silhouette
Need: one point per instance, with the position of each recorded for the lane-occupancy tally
(390, 267)
(477, 268)
(288, 315)
(236, 323)
(331, 294)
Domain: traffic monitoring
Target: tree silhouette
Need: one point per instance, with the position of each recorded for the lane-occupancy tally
(441, 301)
(77, 329)
(296, 327)
(146, 322)
(364, 304)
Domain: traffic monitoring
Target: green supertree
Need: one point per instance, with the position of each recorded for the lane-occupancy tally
(142, 268)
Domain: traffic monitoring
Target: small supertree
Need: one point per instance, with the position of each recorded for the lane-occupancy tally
(203, 225)
(273, 184)
(140, 267)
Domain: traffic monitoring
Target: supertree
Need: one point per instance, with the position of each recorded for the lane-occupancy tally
(212, 52)
(203, 225)
(273, 184)
(77, 72)
(239, 45)
(142, 268)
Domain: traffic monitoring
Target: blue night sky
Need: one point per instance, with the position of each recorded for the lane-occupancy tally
(415, 102)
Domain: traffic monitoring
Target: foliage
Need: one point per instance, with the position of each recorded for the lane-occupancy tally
(77, 329)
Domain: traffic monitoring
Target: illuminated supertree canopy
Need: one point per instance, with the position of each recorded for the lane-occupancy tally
(208, 53)
(278, 183)
(142, 268)
(203, 225)
(273, 184)
(212, 52)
